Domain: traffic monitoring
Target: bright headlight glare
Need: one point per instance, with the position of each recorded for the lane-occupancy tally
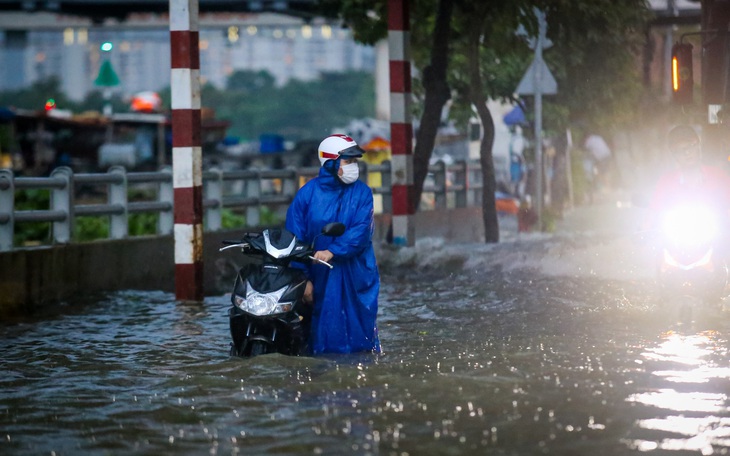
(690, 225)
(259, 304)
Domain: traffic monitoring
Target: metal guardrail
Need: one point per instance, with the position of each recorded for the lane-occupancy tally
(456, 185)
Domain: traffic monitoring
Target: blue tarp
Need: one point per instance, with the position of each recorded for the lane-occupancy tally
(6, 114)
(231, 141)
(515, 117)
(271, 143)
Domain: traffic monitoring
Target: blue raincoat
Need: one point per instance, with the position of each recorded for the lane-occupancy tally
(345, 297)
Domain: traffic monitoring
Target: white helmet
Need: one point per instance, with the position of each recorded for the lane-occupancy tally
(336, 146)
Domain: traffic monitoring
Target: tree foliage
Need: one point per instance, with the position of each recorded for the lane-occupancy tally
(250, 81)
(251, 102)
(594, 54)
(503, 56)
(297, 110)
(368, 19)
(34, 98)
(595, 59)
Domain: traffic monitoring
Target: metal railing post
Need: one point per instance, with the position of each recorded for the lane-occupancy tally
(119, 226)
(253, 191)
(166, 194)
(7, 206)
(62, 199)
(387, 182)
(460, 183)
(291, 184)
(470, 191)
(363, 170)
(439, 181)
(213, 190)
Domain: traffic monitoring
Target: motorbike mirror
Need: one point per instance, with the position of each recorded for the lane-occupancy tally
(333, 229)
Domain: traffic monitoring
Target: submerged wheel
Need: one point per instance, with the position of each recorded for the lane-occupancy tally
(686, 313)
(258, 348)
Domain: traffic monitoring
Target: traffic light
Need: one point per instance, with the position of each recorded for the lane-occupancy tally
(682, 79)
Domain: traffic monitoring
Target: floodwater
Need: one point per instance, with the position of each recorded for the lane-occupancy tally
(542, 344)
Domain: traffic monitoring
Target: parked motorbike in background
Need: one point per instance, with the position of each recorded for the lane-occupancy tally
(268, 313)
(693, 272)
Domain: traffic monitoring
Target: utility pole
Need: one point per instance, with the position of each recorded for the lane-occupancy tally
(538, 81)
(668, 41)
(542, 29)
(401, 128)
(187, 173)
(716, 78)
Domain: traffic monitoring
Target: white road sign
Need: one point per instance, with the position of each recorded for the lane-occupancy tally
(548, 85)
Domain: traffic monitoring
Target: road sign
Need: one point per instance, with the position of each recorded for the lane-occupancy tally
(548, 85)
(538, 81)
(531, 40)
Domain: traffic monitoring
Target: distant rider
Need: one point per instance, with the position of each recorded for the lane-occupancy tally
(345, 298)
(691, 182)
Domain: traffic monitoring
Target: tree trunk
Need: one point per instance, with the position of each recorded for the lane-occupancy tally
(437, 93)
(477, 97)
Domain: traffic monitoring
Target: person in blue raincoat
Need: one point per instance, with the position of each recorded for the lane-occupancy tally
(345, 298)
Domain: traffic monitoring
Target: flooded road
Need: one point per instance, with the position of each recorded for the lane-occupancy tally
(538, 345)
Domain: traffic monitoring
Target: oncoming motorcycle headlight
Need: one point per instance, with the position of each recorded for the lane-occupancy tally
(259, 304)
(690, 225)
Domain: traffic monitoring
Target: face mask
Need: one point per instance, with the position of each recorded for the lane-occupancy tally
(350, 173)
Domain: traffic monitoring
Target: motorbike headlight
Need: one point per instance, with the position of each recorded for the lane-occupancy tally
(259, 304)
(690, 225)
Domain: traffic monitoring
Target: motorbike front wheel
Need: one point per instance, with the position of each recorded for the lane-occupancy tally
(258, 348)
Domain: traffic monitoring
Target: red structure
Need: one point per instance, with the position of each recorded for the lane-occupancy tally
(186, 149)
(401, 128)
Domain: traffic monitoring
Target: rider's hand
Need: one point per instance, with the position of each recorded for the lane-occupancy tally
(308, 292)
(323, 255)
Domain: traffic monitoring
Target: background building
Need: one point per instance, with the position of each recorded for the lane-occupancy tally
(36, 46)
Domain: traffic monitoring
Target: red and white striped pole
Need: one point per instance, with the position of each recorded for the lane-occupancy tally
(401, 129)
(186, 149)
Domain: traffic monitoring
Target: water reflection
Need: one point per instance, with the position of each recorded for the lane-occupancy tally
(693, 410)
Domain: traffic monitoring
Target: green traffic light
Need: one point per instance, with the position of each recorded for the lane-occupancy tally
(107, 46)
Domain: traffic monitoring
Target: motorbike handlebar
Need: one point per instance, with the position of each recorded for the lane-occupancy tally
(321, 261)
(229, 245)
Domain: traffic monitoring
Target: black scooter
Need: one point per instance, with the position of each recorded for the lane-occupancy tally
(268, 313)
(692, 273)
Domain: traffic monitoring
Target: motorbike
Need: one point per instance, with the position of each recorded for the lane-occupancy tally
(268, 313)
(692, 271)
